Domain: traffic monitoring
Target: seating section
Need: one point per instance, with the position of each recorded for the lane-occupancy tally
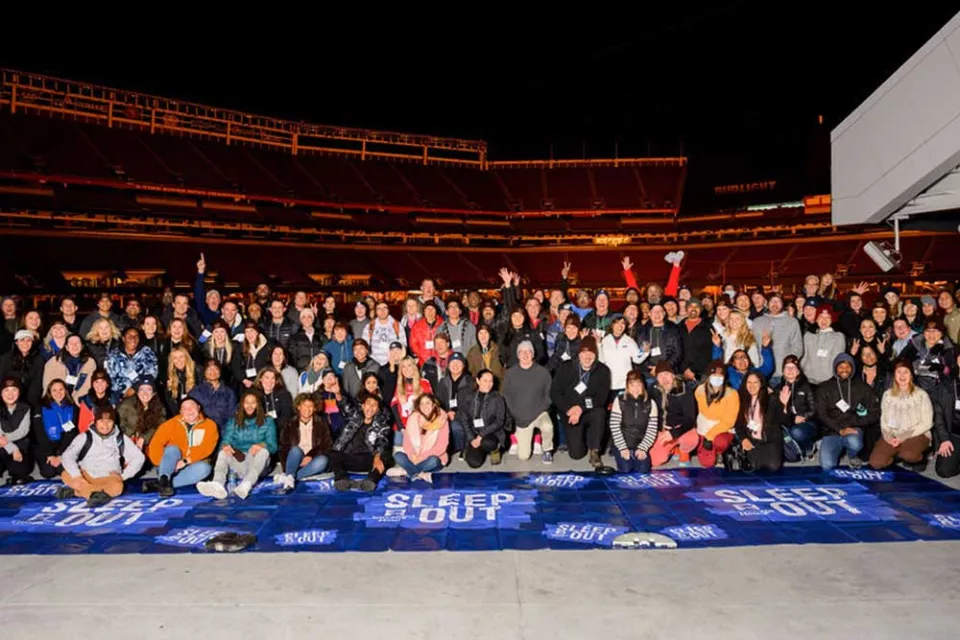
(51, 146)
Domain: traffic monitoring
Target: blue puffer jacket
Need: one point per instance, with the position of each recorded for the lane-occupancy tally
(243, 437)
(124, 370)
(339, 352)
(219, 405)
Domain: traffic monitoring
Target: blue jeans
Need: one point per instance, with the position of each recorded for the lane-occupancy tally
(804, 434)
(458, 435)
(832, 446)
(398, 438)
(188, 476)
(314, 467)
(425, 466)
(631, 465)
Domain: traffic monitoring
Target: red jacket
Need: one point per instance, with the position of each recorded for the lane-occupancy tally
(421, 339)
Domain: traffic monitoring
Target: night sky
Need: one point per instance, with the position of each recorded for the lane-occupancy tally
(732, 77)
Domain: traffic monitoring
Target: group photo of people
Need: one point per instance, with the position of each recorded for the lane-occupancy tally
(220, 392)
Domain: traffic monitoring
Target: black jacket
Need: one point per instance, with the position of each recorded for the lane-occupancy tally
(944, 399)
(444, 389)
(770, 442)
(241, 363)
(864, 406)
(681, 412)
(279, 333)
(491, 408)
(564, 393)
(630, 422)
(357, 437)
(28, 369)
(803, 402)
(563, 346)
(512, 338)
(301, 349)
(278, 402)
(668, 341)
(697, 348)
(932, 365)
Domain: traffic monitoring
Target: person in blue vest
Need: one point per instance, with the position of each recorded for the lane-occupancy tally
(54, 428)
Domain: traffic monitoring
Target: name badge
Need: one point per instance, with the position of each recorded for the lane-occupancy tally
(478, 423)
(428, 344)
(843, 405)
(408, 406)
(655, 351)
(456, 344)
(580, 388)
(132, 375)
(360, 374)
(453, 403)
(71, 381)
(565, 356)
(272, 414)
(68, 426)
(956, 405)
(251, 373)
(754, 427)
(341, 364)
(822, 353)
(238, 338)
(588, 403)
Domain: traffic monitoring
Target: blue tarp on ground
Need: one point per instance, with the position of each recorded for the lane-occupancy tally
(491, 511)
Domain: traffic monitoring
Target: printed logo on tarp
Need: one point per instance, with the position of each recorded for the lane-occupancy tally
(559, 481)
(945, 520)
(120, 515)
(311, 486)
(192, 537)
(658, 480)
(595, 533)
(308, 538)
(863, 474)
(695, 533)
(439, 509)
(848, 502)
(32, 490)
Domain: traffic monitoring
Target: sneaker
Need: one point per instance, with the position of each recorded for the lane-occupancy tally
(65, 493)
(918, 467)
(426, 476)
(150, 486)
(165, 487)
(212, 489)
(396, 472)
(814, 451)
(537, 448)
(595, 460)
(242, 490)
(856, 463)
(684, 459)
(343, 484)
(289, 482)
(513, 449)
(496, 457)
(546, 458)
(98, 499)
(367, 485)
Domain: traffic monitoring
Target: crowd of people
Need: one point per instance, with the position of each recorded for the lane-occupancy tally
(216, 392)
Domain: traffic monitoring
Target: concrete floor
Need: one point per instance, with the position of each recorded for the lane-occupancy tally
(889, 590)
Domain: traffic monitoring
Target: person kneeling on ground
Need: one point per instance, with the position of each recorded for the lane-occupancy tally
(482, 412)
(846, 405)
(15, 420)
(718, 406)
(678, 410)
(633, 425)
(580, 391)
(181, 447)
(305, 442)
(248, 442)
(363, 446)
(98, 461)
(758, 423)
(425, 441)
(906, 420)
(526, 390)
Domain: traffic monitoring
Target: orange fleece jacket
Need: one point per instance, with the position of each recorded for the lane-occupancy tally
(200, 444)
(725, 411)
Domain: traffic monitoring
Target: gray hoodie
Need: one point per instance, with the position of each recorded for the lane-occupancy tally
(785, 337)
(820, 350)
(103, 458)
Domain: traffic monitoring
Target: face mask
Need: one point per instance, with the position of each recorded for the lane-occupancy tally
(716, 381)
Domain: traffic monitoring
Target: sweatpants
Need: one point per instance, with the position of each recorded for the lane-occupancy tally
(949, 466)
(708, 457)
(250, 470)
(525, 436)
(910, 450)
(342, 463)
(19, 470)
(662, 451)
(85, 485)
(586, 434)
(475, 456)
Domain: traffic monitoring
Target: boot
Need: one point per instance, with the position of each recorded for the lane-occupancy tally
(165, 488)
(98, 499)
(65, 493)
(595, 460)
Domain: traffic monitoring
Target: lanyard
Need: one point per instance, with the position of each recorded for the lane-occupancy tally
(478, 405)
(584, 374)
(849, 387)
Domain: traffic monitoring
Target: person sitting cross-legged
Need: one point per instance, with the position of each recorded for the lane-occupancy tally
(181, 447)
(305, 443)
(425, 441)
(97, 462)
(248, 442)
(362, 446)
(906, 422)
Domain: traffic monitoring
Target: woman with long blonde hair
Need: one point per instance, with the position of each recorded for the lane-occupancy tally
(101, 339)
(410, 385)
(738, 335)
(181, 378)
